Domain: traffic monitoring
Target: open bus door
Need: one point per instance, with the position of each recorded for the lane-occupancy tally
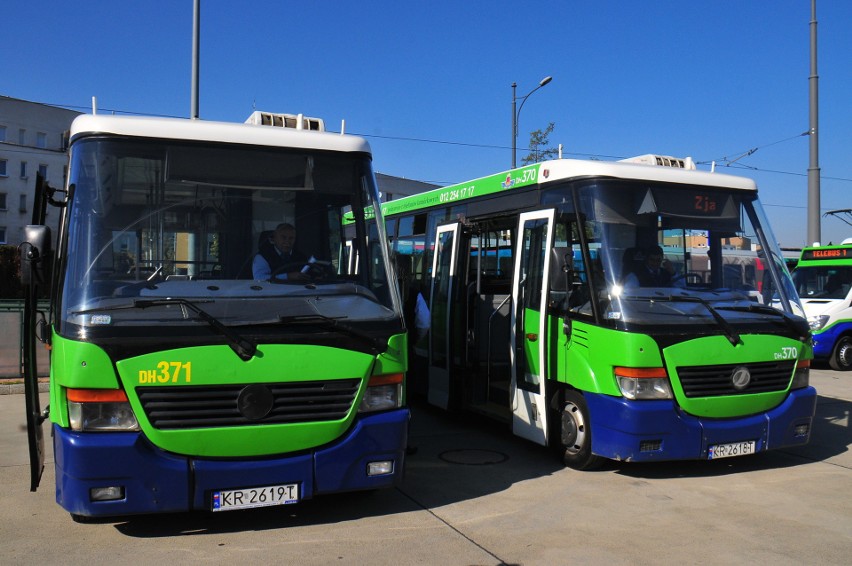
(35, 262)
(441, 311)
(529, 325)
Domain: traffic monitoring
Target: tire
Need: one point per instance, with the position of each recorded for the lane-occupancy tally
(575, 433)
(841, 357)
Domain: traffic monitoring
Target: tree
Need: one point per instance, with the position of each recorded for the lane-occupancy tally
(539, 150)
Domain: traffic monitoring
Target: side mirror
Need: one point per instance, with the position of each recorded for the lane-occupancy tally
(561, 269)
(35, 254)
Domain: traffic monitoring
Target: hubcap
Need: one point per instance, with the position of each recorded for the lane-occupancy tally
(573, 428)
(844, 355)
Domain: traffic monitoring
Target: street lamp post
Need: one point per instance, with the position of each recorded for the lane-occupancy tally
(516, 113)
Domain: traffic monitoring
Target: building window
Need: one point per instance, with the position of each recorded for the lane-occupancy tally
(23, 169)
(41, 140)
(42, 170)
(2, 201)
(2, 234)
(22, 204)
(3, 164)
(2, 133)
(22, 136)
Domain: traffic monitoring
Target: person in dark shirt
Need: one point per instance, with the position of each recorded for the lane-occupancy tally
(278, 253)
(656, 271)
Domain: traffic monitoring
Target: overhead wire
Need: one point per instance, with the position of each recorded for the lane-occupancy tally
(729, 160)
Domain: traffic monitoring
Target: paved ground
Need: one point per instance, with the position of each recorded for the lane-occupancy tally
(475, 495)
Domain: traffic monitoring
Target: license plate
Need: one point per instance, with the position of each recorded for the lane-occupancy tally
(732, 449)
(232, 499)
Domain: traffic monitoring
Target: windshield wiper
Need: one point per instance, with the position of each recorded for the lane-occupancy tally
(378, 346)
(243, 347)
(798, 325)
(731, 334)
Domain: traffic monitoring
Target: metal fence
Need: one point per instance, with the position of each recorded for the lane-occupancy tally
(12, 340)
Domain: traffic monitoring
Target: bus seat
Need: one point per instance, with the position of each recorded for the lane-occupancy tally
(264, 240)
(504, 266)
(631, 261)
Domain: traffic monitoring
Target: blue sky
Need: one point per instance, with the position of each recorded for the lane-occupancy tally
(429, 83)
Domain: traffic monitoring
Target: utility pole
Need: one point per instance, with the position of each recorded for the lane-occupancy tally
(813, 167)
(196, 33)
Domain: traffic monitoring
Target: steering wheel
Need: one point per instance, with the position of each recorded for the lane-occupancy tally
(315, 272)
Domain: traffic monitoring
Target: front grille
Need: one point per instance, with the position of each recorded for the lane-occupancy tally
(169, 408)
(714, 381)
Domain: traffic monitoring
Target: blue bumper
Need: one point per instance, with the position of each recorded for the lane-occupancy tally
(825, 340)
(158, 482)
(644, 431)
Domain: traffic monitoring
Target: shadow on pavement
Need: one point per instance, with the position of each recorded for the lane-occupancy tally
(460, 457)
(457, 458)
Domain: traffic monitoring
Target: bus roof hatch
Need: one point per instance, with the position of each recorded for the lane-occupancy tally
(663, 161)
(295, 121)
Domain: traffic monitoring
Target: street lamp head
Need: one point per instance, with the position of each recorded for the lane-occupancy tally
(517, 111)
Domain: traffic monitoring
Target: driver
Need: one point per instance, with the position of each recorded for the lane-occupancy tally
(277, 254)
(656, 271)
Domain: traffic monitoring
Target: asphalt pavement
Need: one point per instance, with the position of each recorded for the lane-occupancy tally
(473, 494)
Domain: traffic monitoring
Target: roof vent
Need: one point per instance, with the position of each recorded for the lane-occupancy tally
(295, 121)
(662, 161)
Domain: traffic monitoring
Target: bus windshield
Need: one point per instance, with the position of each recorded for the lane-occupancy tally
(160, 230)
(679, 255)
(823, 281)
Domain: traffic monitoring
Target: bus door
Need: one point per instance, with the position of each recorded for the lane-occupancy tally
(441, 311)
(529, 325)
(35, 255)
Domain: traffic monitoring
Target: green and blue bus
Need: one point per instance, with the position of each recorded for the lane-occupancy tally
(180, 382)
(534, 319)
(823, 280)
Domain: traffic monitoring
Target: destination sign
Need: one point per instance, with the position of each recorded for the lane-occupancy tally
(826, 254)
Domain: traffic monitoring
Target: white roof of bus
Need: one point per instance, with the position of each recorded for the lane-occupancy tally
(572, 168)
(226, 132)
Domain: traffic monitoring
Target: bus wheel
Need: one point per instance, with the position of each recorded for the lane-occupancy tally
(576, 433)
(841, 358)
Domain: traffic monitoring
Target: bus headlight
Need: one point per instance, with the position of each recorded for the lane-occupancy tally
(643, 383)
(100, 410)
(383, 392)
(817, 322)
(802, 376)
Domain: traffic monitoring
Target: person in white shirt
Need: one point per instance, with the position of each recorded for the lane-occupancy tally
(278, 253)
(414, 308)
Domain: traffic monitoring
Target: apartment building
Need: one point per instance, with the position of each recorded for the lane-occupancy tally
(33, 139)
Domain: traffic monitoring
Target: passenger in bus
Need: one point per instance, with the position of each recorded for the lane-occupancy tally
(417, 321)
(277, 253)
(834, 287)
(655, 271)
(124, 262)
(414, 309)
